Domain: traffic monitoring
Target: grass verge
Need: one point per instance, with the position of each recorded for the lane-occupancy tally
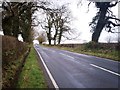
(104, 52)
(31, 75)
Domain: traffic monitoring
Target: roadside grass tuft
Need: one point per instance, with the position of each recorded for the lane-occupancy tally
(31, 75)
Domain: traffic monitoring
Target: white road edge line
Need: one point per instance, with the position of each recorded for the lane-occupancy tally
(49, 74)
(105, 69)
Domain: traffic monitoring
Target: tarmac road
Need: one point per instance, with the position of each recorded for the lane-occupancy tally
(73, 70)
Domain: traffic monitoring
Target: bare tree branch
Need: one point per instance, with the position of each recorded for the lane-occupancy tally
(67, 38)
(113, 18)
(112, 5)
(88, 6)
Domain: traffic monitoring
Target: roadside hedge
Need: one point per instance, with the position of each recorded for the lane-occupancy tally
(13, 52)
(12, 49)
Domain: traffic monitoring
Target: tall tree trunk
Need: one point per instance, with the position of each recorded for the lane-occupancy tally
(7, 25)
(100, 24)
(49, 40)
(49, 36)
(15, 27)
(54, 41)
(55, 36)
(60, 36)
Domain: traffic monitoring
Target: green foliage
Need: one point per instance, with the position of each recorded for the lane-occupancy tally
(92, 45)
(32, 75)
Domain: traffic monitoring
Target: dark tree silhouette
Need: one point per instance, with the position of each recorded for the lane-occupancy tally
(61, 19)
(56, 20)
(17, 18)
(103, 19)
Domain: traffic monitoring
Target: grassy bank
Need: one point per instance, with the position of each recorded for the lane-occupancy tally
(100, 53)
(93, 49)
(32, 75)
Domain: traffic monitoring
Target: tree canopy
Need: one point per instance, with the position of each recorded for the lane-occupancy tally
(17, 18)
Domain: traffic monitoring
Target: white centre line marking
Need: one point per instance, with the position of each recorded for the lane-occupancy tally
(105, 69)
(49, 50)
(67, 55)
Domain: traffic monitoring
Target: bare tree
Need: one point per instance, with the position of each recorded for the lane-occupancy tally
(56, 23)
(104, 19)
(61, 18)
(48, 24)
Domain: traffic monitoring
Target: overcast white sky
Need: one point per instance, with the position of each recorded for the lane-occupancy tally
(82, 19)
